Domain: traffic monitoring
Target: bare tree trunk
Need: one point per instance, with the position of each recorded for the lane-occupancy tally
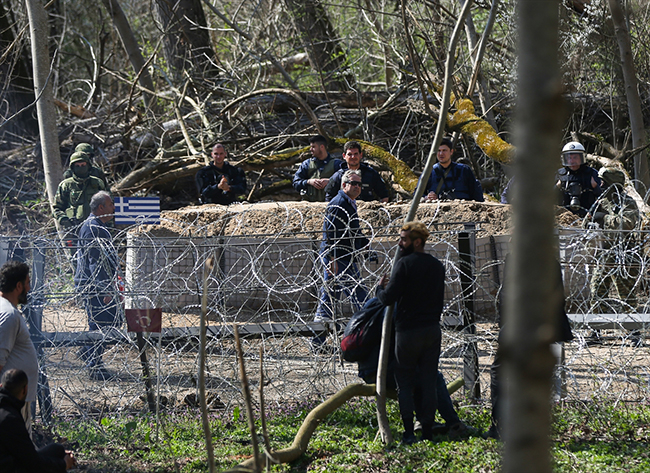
(529, 321)
(131, 46)
(641, 172)
(321, 43)
(45, 108)
(186, 40)
(18, 93)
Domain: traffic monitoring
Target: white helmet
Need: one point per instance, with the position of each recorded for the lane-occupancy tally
(573, 147)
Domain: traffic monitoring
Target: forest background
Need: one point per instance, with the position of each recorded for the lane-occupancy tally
(153, 85)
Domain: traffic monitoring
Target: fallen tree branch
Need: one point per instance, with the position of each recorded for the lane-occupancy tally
(290, 93)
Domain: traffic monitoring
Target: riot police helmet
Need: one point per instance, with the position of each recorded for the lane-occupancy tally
(572, 150)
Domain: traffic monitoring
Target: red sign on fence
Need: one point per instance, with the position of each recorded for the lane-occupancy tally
(144, 320)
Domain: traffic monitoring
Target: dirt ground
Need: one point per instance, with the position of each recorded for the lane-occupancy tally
(305, 218)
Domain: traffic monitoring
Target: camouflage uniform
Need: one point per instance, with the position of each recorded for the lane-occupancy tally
(72, 201)
(86, 149)
(617, 262)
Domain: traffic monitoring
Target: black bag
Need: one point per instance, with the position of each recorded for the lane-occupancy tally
(363, 331)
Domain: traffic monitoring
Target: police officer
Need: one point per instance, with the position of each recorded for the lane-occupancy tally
(578, 183)
(220, 182)
(72, 201)
(313, 175)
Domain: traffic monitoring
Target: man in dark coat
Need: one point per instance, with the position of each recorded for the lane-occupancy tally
(96, 278)
(313, 175)
(563, 334)
(450, 180)
(17, 452)
(342, 242)
(220, 182)
(373, 186)
(417, 285)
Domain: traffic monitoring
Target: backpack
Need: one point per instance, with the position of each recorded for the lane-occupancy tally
(363, 331)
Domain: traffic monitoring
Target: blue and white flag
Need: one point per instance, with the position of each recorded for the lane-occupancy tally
(142, 210)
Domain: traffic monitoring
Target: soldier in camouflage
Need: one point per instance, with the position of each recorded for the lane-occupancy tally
(94, 170)
(72, 201)
(618, 215)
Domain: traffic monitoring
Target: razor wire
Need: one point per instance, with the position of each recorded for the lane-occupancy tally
(263, 279)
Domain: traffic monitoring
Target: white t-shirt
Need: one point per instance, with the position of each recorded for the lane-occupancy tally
(16, 348)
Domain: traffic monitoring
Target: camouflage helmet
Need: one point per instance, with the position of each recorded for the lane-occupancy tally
(612, 176)
(85, 148)
(79, 156)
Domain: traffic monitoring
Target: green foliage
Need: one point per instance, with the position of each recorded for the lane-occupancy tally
(586, 437)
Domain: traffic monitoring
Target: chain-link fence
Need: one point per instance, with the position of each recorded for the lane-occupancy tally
(269, 285)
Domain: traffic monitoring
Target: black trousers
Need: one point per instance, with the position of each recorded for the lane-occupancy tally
(416, 353)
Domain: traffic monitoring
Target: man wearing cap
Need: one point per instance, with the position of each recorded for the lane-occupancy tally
(617, 264)
(72, 201)
(313, 175)
(578, 183)
(373, 186)
(94, 170)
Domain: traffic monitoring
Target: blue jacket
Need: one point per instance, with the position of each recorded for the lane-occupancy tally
(96, 259)
(459, 183)
(373, 186)
(342, 234)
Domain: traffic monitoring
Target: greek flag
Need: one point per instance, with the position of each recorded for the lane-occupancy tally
(141, 210)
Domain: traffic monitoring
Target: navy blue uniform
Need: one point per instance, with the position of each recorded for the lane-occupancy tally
(314, 168)
(342, 239)
(207, 182)
(458, 182)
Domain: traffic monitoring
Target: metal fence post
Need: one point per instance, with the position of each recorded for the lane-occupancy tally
(466, 252)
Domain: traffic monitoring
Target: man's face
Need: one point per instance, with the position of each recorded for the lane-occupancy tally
(444, 155)
(405, 243)
(22, 297)
(353, 157)
(352, 188)
(218, 155)
(318, 151)
(573, 160)
(106, 210)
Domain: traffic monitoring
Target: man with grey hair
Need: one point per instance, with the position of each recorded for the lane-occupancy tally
(340, 248)
(96, 278)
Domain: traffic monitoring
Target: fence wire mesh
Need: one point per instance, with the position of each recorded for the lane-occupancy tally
(269, 284)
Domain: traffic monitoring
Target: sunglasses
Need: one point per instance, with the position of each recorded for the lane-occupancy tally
(354, 183)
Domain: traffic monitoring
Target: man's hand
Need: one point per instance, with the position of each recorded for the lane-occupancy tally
(383, 282)
(107, 299)
(318, 183)
(431, 196)
(223, 184)
(70, 460)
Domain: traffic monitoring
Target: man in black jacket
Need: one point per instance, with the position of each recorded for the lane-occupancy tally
(220, 182)
(17, 452)
(373, 186)
(417, 286)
